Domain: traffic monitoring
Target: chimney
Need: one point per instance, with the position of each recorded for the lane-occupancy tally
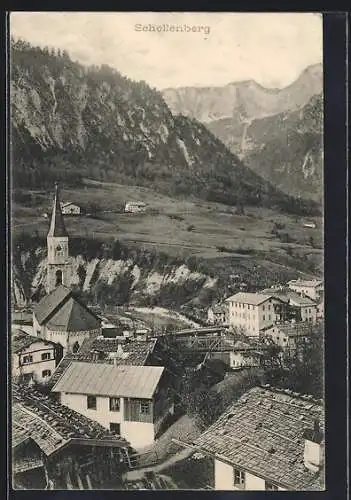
(313, 450)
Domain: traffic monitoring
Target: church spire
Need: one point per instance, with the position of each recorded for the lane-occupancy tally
(57, 225)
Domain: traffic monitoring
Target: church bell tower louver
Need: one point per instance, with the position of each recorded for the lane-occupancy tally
(58, 266)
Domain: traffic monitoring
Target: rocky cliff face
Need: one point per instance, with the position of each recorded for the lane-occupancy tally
(70, 121)
(245, 99)
(277, 133)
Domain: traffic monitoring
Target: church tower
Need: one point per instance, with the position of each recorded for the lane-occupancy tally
(58, 267)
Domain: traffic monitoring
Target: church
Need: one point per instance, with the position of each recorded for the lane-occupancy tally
(61, 317)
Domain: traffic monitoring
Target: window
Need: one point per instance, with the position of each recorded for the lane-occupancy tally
(58, 277)
(114, 404)
(264, 317)
(27, 359)
(239, 478)
(262, 308)
(46, 373)
(269, 307)
(45, 356)
(145, 407)
(116, 428)
(269, 316)
(91, 402)
(270, 486)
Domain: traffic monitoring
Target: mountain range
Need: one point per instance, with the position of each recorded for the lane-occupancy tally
(70, 121)
(289, 153)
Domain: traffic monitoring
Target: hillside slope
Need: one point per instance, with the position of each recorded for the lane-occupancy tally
(70, 122)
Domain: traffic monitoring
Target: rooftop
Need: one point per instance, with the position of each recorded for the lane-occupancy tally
(52, 425)
(21, 340)
(294, 329)
(288, 295)
(57, 224)
(103, 379)
(250, 298)
(263, 433)
(61, 310)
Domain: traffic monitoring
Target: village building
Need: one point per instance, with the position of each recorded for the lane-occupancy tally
(135, 206)
(56, 448)
(268, 440)
(62, 318)
(33, 358)
(320, 308)
(132, 401)
(238, 354)
(313, 289)
(217, 314)
(251, 312)
(299, 307)
(289, 336)
(69, 208)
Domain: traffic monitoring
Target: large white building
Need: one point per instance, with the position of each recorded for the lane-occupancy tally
(132, 401)
(268, 440)
(252, 312)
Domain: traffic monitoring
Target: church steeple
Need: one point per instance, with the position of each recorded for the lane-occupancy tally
(58, 267)
(57, 225)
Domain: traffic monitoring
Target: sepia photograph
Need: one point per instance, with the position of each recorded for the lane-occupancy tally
(167, 251)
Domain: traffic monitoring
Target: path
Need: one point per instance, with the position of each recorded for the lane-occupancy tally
(134, 475)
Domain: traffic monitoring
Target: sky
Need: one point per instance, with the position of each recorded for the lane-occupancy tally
(270, 48)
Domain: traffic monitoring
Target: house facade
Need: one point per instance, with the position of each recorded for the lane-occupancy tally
(132, 401)
(135, 206)
(70, 208)
(268, 440)
(289, 336)
(217, 315)
(251, 312)
(33, 359)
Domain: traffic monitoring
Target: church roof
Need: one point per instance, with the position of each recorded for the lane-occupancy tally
(61, 311)
(57, 225)
(73, 317)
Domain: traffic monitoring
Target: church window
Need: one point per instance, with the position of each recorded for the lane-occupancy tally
(58, 277)
(59, 248)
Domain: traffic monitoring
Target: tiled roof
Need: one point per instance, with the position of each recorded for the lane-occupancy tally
(57, 224)
(21, 340)
(249, 298)
(73, 317)
(109, 380)
(52, 425)
(61, 310)
(135, 352)
(50, 303)
(263, 433)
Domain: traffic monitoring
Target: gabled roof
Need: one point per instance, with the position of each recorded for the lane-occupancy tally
(288, 295)
(50, 303)
(263, 433)
(73, 317)
(60, 310)
(52, 425)
(21, 340)
(57, 225)
(249, 298)
(109, 380)
(299, 329)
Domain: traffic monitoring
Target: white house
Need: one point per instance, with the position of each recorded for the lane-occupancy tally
(313, 289)
(33, 358)
(69, 208)
(289, 336)
(217, 314)
(268, 440)
(135, 206)
(251, 312)
(132, 401)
